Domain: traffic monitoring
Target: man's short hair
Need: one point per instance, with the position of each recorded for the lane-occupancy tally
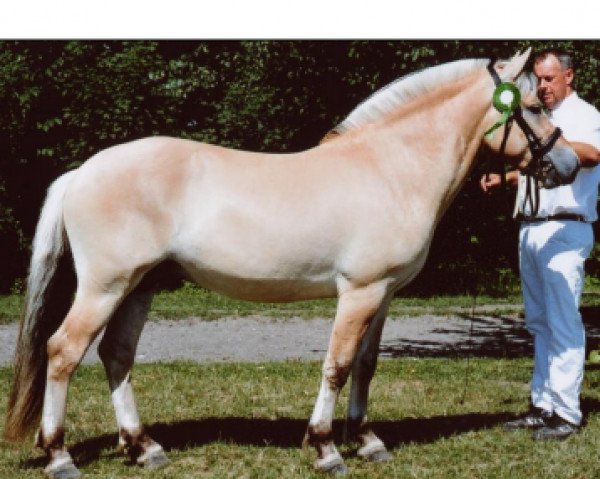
(565, 59)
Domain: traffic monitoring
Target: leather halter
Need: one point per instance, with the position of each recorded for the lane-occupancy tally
(538, 148)
(536, 168)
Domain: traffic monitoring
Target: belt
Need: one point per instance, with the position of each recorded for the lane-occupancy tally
(558, 217)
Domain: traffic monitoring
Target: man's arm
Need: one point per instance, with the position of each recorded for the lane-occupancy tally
(589, 155)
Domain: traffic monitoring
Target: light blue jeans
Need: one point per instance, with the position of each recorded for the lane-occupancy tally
(552, 256)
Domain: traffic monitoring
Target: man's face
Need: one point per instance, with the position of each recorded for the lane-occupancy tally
(554, 83)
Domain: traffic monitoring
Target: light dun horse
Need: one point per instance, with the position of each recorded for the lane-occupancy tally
(352, 218)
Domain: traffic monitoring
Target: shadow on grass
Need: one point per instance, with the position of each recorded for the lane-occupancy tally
(288, 433)
(281, 433)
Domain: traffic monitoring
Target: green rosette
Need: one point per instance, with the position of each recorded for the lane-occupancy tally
(506, 99)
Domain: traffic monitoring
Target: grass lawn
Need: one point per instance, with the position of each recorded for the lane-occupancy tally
(192, 301)
(248, 420)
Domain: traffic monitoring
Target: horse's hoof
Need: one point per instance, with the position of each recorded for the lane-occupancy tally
(338, 470)
(61, 466)
(379, 456)
(64, 471)
(154, 459)
(375, 452)
(334, 466)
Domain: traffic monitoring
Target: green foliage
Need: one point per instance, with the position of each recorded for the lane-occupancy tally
(62, 101)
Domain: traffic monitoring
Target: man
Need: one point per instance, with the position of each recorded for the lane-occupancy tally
(553, 246)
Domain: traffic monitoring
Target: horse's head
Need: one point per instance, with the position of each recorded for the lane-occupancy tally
(517, 126)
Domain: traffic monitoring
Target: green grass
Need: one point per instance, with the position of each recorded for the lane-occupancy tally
(192, 301)
(247, 420)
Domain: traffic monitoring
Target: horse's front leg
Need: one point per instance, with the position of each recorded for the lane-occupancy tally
(357, 306)
(371, 447)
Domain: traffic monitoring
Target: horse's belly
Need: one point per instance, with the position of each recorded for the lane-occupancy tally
(259, 261)
(267, 289)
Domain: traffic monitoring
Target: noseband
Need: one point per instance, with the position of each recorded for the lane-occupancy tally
(539, 167)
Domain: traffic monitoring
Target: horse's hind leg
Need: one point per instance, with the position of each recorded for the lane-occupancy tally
(371, 447)
(357, 307)
(117, 351)
(89, 313)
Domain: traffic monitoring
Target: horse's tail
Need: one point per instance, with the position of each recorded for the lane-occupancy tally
(50, 288)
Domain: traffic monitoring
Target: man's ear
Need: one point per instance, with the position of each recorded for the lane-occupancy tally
(569, 76)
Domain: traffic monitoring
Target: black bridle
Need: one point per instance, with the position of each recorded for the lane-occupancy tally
(538, 168)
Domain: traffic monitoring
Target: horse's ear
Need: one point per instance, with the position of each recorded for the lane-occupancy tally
(515, 66)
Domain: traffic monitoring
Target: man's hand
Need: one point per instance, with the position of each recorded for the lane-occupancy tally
(490, 182)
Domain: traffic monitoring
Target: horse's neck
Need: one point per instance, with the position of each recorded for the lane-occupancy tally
(435, 140)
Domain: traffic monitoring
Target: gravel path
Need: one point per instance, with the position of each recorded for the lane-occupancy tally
(267, 339)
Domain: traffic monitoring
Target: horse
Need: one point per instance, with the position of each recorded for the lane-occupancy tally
(352, 218)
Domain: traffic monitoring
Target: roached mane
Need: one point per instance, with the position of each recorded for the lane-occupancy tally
(405, 89)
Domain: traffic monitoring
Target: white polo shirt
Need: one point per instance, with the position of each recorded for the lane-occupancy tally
(579, 122)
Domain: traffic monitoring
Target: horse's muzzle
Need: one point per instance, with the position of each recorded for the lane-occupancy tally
(558, 167)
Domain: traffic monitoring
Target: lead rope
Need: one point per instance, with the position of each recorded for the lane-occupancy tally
(498, 165)
(470, 348)
(532, 196)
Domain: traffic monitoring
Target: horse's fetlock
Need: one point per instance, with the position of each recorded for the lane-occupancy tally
(135, 442)
(320, 436)
(50, 442)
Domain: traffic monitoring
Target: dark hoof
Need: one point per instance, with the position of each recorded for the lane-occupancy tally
(65, 471)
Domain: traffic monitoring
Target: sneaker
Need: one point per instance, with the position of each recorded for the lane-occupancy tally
(556, 429)
(536, 418)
